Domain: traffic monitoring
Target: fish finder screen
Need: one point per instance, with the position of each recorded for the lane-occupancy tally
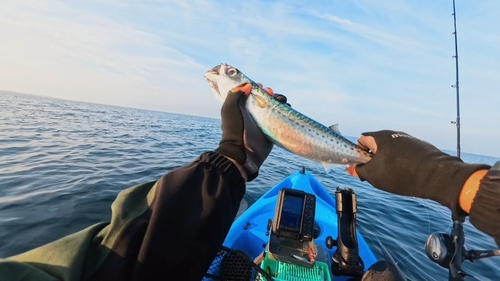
(291, 213)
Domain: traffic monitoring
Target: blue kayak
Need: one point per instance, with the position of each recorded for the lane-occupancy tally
(262, 235)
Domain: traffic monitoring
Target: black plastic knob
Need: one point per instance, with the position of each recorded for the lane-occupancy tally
(330, 242)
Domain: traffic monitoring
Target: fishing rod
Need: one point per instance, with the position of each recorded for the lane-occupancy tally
(448, 250)
(456, 85)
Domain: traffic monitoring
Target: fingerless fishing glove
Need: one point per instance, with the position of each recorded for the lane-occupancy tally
(408, 166)
(242, 140)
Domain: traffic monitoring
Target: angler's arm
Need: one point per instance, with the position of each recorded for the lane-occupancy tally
(172, 227)
(192, 210)
(405, 165)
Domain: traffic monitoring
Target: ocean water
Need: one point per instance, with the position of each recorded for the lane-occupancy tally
(62, 163)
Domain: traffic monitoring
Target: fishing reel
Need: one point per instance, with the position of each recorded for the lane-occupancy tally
(449, 251)
(440, 248)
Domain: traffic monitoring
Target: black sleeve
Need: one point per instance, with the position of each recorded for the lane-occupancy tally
(179, 234)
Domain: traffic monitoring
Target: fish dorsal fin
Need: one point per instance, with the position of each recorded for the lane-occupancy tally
(335, 128)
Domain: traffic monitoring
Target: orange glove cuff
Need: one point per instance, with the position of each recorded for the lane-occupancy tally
(470, 189)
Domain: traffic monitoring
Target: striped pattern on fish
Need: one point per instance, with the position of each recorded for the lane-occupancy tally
(286, 126)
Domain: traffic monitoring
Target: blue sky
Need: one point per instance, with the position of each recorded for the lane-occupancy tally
(367, 65)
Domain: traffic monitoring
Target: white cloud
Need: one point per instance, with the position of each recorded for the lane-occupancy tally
(375, 35)
(363, 64)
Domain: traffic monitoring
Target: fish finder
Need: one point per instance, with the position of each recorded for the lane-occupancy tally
(294, 215)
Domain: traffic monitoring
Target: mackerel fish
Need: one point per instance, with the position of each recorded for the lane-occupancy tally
(285, 126)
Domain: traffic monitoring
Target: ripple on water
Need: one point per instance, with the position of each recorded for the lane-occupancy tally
(62, 163)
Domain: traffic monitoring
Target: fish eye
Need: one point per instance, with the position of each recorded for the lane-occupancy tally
(231, 72)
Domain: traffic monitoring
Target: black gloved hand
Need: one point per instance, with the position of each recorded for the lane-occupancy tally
(405, 165)
(242, 140)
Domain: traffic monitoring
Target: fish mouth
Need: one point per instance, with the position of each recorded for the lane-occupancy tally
(212, 76)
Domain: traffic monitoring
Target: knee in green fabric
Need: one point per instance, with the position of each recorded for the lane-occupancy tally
(17, 271)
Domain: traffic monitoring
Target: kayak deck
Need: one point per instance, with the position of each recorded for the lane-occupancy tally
(249, 232)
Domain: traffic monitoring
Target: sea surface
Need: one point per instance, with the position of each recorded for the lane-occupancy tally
(62, 163)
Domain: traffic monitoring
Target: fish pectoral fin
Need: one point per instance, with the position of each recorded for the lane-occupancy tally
(335, 128)
(328, 167)
(261, 102)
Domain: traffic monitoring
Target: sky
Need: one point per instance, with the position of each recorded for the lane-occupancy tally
(366, 65)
